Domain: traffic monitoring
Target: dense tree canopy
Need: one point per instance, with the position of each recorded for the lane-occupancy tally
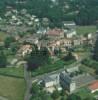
(38, 93)
(8, 41)
(55, 95)
(84, 12)
(95, 56)
(38, 58)
(69, 57)
(74, 97)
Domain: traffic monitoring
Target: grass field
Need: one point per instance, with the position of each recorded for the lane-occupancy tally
(86, 29)
(3, 36)
(12, 88)
(84, 93)
(17, 72)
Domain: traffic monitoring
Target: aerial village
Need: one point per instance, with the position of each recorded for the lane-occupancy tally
(29, 30)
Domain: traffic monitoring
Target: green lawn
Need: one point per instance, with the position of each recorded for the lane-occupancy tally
(3, 36)
(85, 29)
(12, 88)
(84, 93)
(12, 71)
(87, 69)
(51, 67)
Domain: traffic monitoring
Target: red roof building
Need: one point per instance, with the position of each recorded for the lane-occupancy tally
(93, 87)
(55, 32)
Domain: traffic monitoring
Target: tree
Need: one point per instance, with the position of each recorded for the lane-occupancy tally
(55, 95)
(35, 89)
(8, 41)
(69, 57)
(89, 98)
(78, 10)
(63, 98)
(38, 93)
(37, 58)
(95, 56)
(14, 47)
(44, 96)
(74, 97)
(63, 92)
(3, 59)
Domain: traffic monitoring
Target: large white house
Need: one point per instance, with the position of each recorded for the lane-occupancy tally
(70, 33)
(51, 83)
(73, 78)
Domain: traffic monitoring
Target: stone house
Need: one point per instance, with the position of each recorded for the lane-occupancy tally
(51, 83)
(25, 49)
(70, 33)
(55, 33)
(72, 79)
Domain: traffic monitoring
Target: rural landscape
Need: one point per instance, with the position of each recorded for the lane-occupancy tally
(48, 50)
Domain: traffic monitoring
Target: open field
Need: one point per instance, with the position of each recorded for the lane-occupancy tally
(3, 36)
(12, 88)
(12, 71)
(85, 29)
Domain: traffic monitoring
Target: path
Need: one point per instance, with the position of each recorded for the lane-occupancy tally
(28, 80)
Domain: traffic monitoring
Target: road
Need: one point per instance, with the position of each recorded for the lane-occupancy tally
(28, 80)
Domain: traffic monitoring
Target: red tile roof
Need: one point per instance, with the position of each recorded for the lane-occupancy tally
(94, 85)
(54, 32)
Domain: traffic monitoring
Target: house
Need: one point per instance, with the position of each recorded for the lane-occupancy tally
(77, 41)
(32, 39)
(69, 33)
(73, 78)
(68, 43)
(69, 24)
(55, 33)
(51, 83)
(41, 30)
(48, 82)
(93, 87)
(69, 29)
(25, 49)
(89, 36)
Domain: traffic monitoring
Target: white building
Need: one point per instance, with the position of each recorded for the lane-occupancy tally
(48, 82)
(70, 33)
(72, 79)
(69, 24)
(51, 83)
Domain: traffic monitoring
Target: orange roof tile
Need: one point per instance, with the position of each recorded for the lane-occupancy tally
(54, 32)
(94, 85)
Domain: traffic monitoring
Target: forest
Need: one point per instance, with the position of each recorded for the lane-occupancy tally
(83, 12)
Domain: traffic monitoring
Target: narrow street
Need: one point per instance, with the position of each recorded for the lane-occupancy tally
(28, 80)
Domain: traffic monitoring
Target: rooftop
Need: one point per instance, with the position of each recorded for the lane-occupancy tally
(94, 85)
(54, 32)
(47, 79)
(69, 22)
